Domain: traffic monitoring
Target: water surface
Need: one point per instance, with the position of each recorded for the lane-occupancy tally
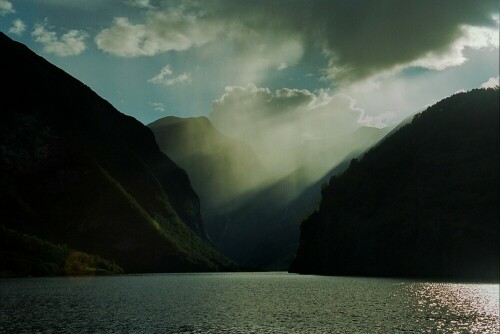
(245, 303)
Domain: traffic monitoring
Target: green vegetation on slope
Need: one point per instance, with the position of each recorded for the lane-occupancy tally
(75, 171)
(25, 255)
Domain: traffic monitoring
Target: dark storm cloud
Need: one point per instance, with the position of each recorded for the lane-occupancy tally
(358, 38)
(361, 37)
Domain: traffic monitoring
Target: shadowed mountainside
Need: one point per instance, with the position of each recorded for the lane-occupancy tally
(26, 255)
(424, 202)
(75, 171)
(250, 216)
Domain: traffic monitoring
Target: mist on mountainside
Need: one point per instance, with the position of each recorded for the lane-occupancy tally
(258, 163)
(423, 203)
(291, 129)
(220, 168)
(268, 136)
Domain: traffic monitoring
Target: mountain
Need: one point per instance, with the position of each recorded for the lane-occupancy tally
(74, 171)
(264, 230)
(424, 202)
(26, 255)
(251, 217)
(220, 168)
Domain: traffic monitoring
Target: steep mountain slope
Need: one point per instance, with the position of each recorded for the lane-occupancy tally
(250, 217)
(26, 255)
(221, 168)
(422, 203)
(76, 171)
(264, 230)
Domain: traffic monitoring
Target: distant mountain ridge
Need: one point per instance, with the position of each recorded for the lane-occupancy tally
(424, 202)
(251, 217)
(76, 171)
(229, 167)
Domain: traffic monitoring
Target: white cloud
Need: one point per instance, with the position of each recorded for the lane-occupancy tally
(161, 32)
(160, 77)
(252, 56)
(365, 40)
(164, 77)
(491, 82)
(391, 98)
(140, 4)
(386, 38)
(289, 128)
(157, 106)
(6, 7)
(471, 37)
(124, 39)
(282, 66)
(383, 120)
(178, 79)
(243, 111)
(250, 53)
(71, 43)
(18, 27)
(460, 91)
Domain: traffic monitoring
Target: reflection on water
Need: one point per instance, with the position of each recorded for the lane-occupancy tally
(460, 308)
(245, 303)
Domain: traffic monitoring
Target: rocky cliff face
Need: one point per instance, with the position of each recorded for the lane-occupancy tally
(424, 202)
(74, 170)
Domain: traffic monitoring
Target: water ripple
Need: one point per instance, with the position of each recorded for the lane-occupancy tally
(245, 303)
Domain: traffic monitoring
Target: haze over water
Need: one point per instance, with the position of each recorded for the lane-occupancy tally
(245, 303)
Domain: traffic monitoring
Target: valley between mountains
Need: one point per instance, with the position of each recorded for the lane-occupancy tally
(88, 190)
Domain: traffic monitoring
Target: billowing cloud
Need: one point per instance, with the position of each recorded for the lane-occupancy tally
(491, 83)
(392, 98)
(290, 128)
(250, 111)
(161, 32)
(165, 77)
(6, 7)
(18, 27)
(393, 35)
(358, 39)
(471, 37)
(71, 43)
(254, 56)
(140, 3)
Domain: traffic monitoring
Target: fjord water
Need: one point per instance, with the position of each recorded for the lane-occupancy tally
(245, 303)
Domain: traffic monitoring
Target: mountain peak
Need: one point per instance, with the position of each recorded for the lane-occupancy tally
(76, 171)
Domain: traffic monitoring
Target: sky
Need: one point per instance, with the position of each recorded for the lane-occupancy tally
(322, 62)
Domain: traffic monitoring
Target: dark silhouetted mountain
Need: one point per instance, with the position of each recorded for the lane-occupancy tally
(250, 219)
(264, 230)
(75, 171)
(424, 202)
